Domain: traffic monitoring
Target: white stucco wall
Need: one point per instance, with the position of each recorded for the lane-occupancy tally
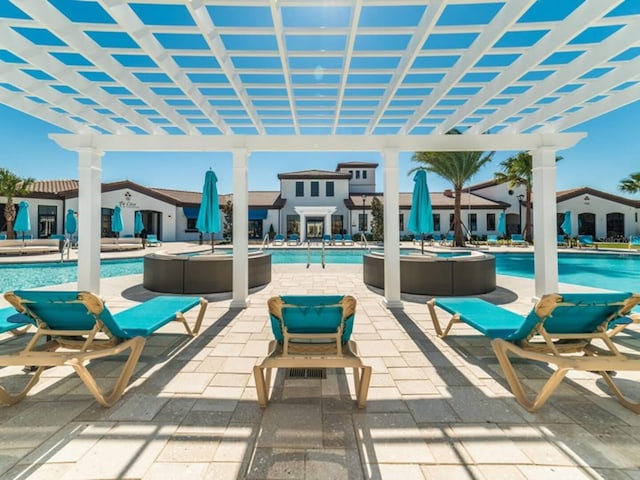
(600, 207)
(33, 212)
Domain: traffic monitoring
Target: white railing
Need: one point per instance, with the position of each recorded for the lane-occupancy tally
(363, 240)
(264, 241)
(322, 255)
(308, 253)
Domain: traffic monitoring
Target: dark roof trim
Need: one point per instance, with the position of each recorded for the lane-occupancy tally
(567, 195)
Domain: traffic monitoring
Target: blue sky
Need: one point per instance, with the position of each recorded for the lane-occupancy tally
(610, 153)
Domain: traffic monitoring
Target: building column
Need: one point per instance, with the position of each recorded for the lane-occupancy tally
(89, 219)
(391, 230)
(327, 224)
(545, 254)
(303, 228)
(240, 229)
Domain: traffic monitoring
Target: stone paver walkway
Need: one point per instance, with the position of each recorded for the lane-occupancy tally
(437, 409)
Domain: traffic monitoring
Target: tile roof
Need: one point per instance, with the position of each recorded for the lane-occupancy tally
(312, 174)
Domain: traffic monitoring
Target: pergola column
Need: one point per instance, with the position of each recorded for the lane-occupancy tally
(391, 230)
(545, 254)
(240, 229)
(89, 218)
(327, 224)
(303, 227)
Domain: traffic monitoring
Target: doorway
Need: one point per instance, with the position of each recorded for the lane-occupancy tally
(315, 227)
(152, 221)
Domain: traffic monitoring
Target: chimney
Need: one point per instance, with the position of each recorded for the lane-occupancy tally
(448, 193)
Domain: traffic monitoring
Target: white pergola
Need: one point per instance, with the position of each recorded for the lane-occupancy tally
(302, 75)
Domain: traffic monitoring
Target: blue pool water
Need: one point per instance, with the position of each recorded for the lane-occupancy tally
(609, 271)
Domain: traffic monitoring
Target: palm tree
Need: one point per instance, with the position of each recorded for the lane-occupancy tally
(518, 171)
(631, 184)
(12, 186)
(456, 167)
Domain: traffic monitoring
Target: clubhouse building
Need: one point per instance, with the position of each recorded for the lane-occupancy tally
(314, 202)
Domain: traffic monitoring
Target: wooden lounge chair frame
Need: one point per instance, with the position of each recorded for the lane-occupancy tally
(98, 335)
(566, 351)
(312, 350)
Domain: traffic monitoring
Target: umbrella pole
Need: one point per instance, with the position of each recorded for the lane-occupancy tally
(422, 238)
(212, 247)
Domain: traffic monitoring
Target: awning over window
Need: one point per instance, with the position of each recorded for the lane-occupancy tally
(255, 214)
(191, 212)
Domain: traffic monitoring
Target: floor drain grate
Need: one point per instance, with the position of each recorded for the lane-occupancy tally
(307, 373)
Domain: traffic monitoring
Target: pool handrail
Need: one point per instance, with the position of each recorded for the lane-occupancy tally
(265, 240)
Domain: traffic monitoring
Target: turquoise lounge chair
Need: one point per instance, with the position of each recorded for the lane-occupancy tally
(448, 239)
(561, 241)
(312, 332)
(3, 236)
(293, 239)
(74, 328)
(634, 241)
(436, 238)
(347, 239)
(12, 321)
(278, 240)
(560, 330)
(326, 239)
(492, 240)
(338, 239)
(518, 239)
(585, 241)
(152, 240)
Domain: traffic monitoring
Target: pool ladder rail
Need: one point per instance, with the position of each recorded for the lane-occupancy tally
(322, 254)
(265, 240)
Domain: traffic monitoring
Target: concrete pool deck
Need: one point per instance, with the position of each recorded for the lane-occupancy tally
(437, 408)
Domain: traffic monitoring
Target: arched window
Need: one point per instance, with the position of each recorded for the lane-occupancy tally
(587, 224)
(615, 226)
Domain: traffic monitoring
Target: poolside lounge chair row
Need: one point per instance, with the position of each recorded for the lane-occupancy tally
(294, 239)
(20, 247)
(117, 244)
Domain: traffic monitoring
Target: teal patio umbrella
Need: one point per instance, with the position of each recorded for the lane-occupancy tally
(209, 215)
(138, 224)
(70, 224)
(502, 224)
(566, 224)
(116, 221)
(421, 215)
(23, 222)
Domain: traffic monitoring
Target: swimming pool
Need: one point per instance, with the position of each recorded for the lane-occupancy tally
(609, 271)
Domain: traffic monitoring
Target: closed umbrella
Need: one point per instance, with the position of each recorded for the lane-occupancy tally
(421, 215)
(209, 215)
(116, 221)
(70, 224)
(566, 224)
(502, 224)
(23, 222)
(138, 225)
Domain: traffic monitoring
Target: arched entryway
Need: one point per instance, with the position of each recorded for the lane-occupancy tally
(615, 226)
(587, 224)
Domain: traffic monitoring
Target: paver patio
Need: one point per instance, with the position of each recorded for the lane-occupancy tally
(437, 408)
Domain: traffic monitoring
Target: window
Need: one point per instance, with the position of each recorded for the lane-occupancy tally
(47, 220)
(401, 222)
(3, 222)
(615, 226)
(293, 224)
(337, 224)
(436, 222)
(491, 221)
(105, 224)
(472, 219)
(451, 217)
(299, 189)
(357, 173)
(362, 222)
(587, 224)
(330, 189)
(364, 174)
(255, 228)
(191, 224)
(315, 189)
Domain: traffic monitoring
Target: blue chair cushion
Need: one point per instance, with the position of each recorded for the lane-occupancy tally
(10, 319)
(145, 318)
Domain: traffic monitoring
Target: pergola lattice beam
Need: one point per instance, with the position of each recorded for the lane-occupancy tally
(616, 43)
(143, 36)
(422, 32)
(212, 36)
(56, 69)
(626, 97)
(507, 15)
(631, 71)
(68, 32)
(324, 143)
(351, 40)
(584, 15)
(18, 102)
(284, 61)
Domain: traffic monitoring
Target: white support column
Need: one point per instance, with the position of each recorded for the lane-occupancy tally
(327, 224)
(303, 228)
(240, 229)
(391, 230)
(89, 218)
(544, 221)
